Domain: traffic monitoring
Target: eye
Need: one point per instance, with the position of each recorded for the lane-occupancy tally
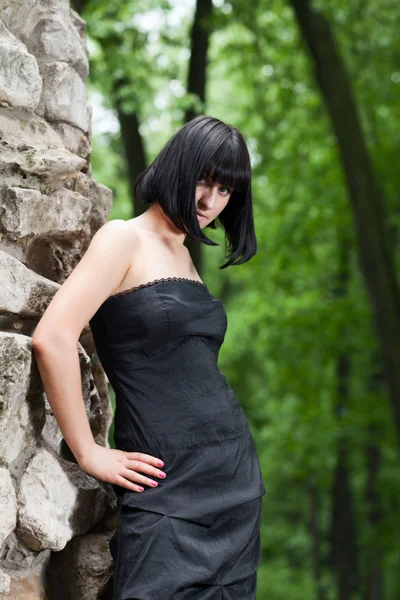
(228, 190)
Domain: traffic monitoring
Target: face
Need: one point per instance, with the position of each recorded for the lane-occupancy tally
(211, 199)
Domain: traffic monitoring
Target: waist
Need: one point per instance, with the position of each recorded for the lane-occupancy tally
(201, 480)
(178, 418)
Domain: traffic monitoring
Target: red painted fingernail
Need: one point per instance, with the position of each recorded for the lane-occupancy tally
(160, 463)
(141, 489)
(154, 483)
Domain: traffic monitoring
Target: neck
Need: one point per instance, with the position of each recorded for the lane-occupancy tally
(155, 221)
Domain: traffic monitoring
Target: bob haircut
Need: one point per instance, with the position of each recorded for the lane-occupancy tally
(204, 147)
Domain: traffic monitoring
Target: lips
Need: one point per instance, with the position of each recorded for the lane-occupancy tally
(201, 215)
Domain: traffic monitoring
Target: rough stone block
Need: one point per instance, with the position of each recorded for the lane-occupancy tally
(8, 505)
(20, 81)
(31, 587)
(64, 95)
(22, 413)
(32, 152)
(55, 38)
(25, 212)
(20, 129)
(74, 140)
(83, 569)
(80, 26)
(22, 291)
(57, 500)
(21, 16)
(101, 198)
(22, 564)
(105, 409)
(4, 584)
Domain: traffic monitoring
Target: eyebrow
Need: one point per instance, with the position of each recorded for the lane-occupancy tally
(208, 178)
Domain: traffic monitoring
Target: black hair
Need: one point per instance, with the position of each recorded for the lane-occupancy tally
(204, 147)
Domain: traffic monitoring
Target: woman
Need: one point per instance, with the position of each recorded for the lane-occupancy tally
(191, 530)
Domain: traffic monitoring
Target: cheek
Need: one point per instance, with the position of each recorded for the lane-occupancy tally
(222, 204)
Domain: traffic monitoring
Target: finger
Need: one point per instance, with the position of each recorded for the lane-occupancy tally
(141, 479)
(147, 458)
(145, 468)
(125, 483)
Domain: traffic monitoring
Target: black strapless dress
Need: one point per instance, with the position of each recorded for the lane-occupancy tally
(196, 535)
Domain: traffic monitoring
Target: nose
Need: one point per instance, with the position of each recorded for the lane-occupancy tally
(209, 195)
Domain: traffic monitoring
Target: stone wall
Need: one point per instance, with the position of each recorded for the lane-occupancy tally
(55, 519)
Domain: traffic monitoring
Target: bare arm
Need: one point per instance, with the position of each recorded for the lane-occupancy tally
(96, 277)
(55, 338)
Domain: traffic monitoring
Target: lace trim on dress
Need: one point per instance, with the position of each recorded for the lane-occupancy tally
(154, 282)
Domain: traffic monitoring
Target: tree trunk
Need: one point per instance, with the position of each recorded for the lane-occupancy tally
(367, 201)
(199, 42)
(343, 536)
(374, 580)
(344, 553)
(196, 84)
(134, 151)
(315, 535)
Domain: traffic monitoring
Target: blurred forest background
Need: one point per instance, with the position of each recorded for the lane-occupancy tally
(313, 342)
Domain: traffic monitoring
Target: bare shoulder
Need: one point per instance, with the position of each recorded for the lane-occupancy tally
(118, 236)
(113, 226)
(100, 270)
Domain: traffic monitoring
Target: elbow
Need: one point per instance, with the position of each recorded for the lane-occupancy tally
(43, 342)
(39, 344)
(40, 339)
